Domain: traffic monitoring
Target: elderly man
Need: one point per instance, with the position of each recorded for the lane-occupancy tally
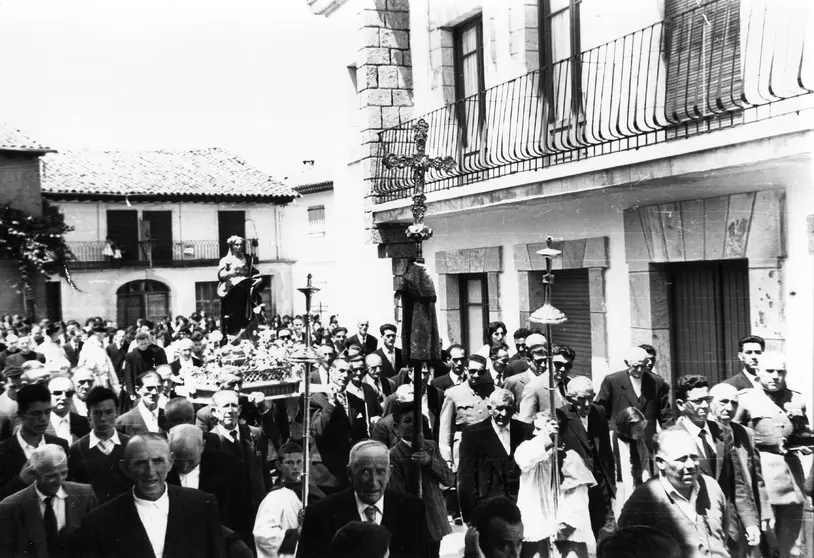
(34, 411)
(43, 520)
(536, 396)
(637, 388)
(94, 458)
(83, 381)
(367, 500)
(382, 385)
(584, 429)
(681, 501)
(210, 471)
(64, 423)
(487, 467)
(368, 343)
(775, 413)
(364, 408)
(723, 405)
(718, 459)
(154, 519)
(146, 415)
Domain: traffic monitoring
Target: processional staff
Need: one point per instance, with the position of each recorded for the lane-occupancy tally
(418, 232)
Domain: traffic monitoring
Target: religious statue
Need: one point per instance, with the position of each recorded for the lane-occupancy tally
(239, 288)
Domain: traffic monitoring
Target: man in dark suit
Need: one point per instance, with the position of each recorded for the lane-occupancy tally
(584, 429)
(145, 416)
(486, 460)
(34, 410)
(718, 458)
(248, 447)
(117, 351)
(210, 471)
(367, 342)
(663, 501)
(146, 356)
(456, 363)
(66, 424)
(42, 520)
(367, 500)
(94, 458)
(392, 360)
(723, 405)
(362, 402)
(182, 521)
(382, 385)
(330, 424)
(637, 388)
(749, 350)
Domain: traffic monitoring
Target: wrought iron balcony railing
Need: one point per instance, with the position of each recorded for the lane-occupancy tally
(720, 64)
(180, 253)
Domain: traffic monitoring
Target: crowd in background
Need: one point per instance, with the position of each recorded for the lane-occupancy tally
(101, 430)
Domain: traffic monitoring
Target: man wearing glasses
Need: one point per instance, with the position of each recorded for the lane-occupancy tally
(535, 396)
(66, 424)
(718, 458)
(635, 387)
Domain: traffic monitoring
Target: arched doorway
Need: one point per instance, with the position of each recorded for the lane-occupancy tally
(144, 298)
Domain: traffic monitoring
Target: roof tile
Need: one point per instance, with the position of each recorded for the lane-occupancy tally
(12, 138)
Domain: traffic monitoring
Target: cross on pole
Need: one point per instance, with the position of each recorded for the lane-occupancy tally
(420, 163)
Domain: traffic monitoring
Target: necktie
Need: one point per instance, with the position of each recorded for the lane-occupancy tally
(105, 446)
(370, 514)
(233, 433)
(50, 524)
(709, 455)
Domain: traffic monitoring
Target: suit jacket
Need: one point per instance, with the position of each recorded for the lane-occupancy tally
(22, 530)
(91, 466)
(331, 429)
(72, 354)
(136, 362)
(749, 458)
(252, 476)
(132, 423)
(388, 370)
(443, 382)
(485, 469)
(369, 346)
(616, 394)
(516, 384)
(114, 530)
(650, 505)
(273, 423)
(175, 365)
(217, 478)
(740, 381)
(361, 411)
(403, 516)
(536, 396)
(117, 355)
(79, 427)
(12, 459)
(593, 446)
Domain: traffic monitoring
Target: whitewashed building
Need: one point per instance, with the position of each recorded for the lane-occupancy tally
(169, 213)
(666, 146)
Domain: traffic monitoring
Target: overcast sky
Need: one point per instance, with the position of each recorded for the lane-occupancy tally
(244, 75)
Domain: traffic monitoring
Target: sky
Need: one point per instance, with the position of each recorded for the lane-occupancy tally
(244, 75)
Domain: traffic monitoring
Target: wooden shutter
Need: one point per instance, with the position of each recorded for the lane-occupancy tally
(571, 295)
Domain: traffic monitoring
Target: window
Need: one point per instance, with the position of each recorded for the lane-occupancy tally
(123, 230)
(230, 223)
(560, 57)
(207, 299)
(141, 299)
(316, 217)
(474, 310)
(469, 81)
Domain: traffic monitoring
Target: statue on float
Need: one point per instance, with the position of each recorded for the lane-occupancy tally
(239, 289)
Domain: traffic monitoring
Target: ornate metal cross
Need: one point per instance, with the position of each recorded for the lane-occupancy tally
(420, 162)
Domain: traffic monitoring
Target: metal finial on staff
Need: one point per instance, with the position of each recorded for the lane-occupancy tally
(308, 357)
(547, 316)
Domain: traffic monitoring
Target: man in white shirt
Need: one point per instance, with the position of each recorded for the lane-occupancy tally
(146, 416)
(65, 424)
(197, 528)
(57, 506)
(383, 386)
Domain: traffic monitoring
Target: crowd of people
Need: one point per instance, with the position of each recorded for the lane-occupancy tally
(105, 451)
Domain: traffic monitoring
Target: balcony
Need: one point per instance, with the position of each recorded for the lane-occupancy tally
(182, 253)
(721, 64)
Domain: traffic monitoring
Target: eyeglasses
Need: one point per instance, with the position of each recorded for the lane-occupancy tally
(68, 393)
(565, 365)
(84, 382)
(475, 370)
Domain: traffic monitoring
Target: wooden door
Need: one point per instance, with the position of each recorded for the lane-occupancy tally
(230, 223)
(122, 229)
(160, 234)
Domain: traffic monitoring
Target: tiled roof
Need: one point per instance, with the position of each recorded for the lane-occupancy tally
(205, 174)
(13, 139)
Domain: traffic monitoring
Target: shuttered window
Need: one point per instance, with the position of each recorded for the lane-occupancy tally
(570, 294)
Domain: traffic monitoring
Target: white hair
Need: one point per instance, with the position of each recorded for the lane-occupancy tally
(501, 397)
(183, 434)
(579, 385)
(362, 446)
(47, 454)
(636, 354)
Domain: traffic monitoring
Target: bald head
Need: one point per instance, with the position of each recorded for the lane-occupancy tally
(724, 402)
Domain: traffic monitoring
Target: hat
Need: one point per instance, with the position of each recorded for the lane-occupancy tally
(535, 340)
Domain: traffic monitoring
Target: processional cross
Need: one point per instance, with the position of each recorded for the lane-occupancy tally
(420, 162)
(418, 232)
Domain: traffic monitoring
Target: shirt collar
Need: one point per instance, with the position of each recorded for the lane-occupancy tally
(143, 408)
(94, 440)
(25, 444)
(499, 428)
(61, 494)
(56, 419)
(673, 493)
(692, 428)
(162, 504)
(228, 433)
(361, 506)
(194, 472)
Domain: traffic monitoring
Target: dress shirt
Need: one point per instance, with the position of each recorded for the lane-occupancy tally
(357, 391)
(637, 385)
(391, 356)
(62, 426)
(323, 376)
(228, 433)
(696, 433)
(58, 504)
(687, 507)
(456, 379)
(154, 517)
(584, 421)
(191, 479)
(150, 417)
(361, 507)
(504, 436)
(94, 441)
(27, 449)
